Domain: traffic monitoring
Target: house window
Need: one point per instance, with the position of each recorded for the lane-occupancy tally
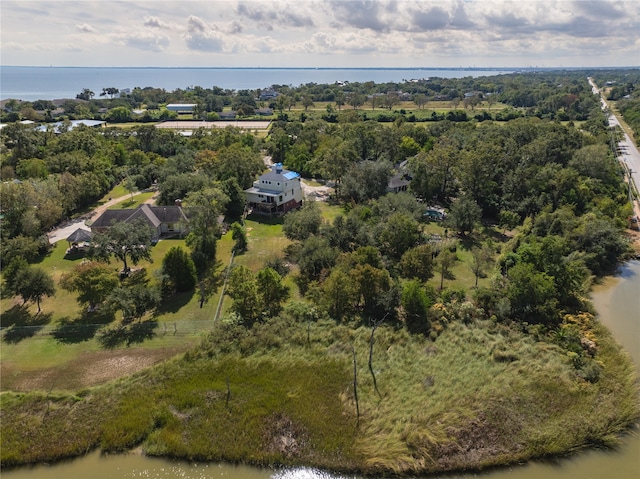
(260, 196)
(280, 198)
(170, 226)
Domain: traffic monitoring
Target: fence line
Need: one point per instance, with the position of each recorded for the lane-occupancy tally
(69, 330)
(224, 286)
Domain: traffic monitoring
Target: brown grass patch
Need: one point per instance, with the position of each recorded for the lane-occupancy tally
(284, 437)
(88, 369)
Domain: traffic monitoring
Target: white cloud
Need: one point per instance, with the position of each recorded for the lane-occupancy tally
(85, 28)
(155, 22)
(147, 41)
(202, 37)
(320, 32)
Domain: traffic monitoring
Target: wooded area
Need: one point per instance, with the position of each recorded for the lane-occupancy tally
(534, 206)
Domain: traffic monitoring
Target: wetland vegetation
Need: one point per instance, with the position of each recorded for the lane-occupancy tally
(356, 334)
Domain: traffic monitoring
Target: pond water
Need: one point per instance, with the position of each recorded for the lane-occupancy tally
(617, 301)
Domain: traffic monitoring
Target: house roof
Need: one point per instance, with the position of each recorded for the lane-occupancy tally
(263, 191)
(168, 214)
(154, 216)
(278, 173)
(72, 124)
(79, 236)
(109, 217)
(397, 181)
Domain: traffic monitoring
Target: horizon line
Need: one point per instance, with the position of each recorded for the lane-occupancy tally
(461, 68)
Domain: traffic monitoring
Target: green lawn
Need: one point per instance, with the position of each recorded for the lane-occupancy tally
(37, 348)
(266, 241)
(133, 202)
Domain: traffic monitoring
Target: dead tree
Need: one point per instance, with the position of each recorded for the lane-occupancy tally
(374, 326)
(355, 387)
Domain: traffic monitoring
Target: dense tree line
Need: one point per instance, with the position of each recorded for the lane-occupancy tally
(49, 176)
(546, 94)
(557, 185)
(623, 88)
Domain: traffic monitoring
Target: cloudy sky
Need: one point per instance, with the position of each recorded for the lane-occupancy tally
(321, 33)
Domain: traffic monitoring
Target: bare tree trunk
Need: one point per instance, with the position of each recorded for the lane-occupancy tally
(374, 325)
(355, 388)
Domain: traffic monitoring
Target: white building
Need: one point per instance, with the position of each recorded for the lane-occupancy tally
(181, 107)
(277, 191)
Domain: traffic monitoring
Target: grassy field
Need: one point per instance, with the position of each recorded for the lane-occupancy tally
(38, 354)
(179, 322)
(480, 393)
(133, 201)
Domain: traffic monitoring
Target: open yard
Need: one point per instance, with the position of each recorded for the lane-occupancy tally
(61, 348)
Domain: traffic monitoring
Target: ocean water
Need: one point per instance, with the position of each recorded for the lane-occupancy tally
(49, 83)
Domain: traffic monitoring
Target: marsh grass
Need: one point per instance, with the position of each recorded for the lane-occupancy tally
(482, 394)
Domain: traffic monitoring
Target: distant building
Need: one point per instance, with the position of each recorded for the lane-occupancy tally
(275, 192)
(269, 94)
(227, 115)
(181, 107)
(397, 183)
(60, 126)
(400, 179)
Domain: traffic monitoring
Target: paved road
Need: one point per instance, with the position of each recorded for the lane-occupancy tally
(628, 152)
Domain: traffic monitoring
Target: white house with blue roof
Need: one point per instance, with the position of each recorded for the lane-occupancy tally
(276, 191)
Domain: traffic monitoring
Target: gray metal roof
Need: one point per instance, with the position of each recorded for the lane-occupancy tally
(154, 216)
(79, 236)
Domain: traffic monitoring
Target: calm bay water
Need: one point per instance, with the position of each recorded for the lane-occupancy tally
(49, 83)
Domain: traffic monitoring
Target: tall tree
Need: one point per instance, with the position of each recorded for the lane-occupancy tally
(124, 241)
(243, 289)
(111, 91)
(299, 225)
(33, 284)
(239, 236)
(397, 234)
(481, 259)
(85, 94)
(178, 271)
(339, 294)
(273, 292)
(417, 263)
(134, 301)
(444, 262)
(130, 185)
(464, 214)
(415, 304)
(532, 295)
(92, 281)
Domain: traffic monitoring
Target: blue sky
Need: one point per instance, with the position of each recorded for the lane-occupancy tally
(303, 33)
